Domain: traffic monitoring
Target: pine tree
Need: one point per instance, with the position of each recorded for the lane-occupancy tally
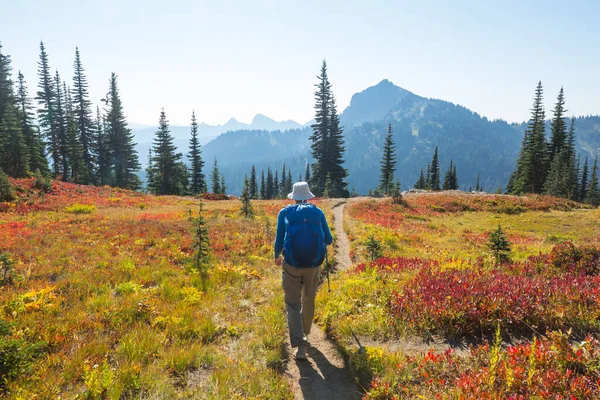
(13, 149)
(593, 191)
(103, 173)
(335, 150)
(558, 128)
(454, 178)
(6, 84)
(46, 97)
(124, 158)
(435, 172)
(421, 183)
(216, 184)
(532, 163)
(246, 210)
(283, 185)
(197, 179)
(329, 189)
(270, 189)
(84, 121)
(290, 184)
(167, 177)
(263, 188)
(7, 192)
(253, 184)
(448, 183)
(572, 172)
(202, 246)
(35, 145)
(276, 193)
(306, 174)
(320, 133)
(60, 122)
(583, 186)
(477, 186)
(150, 172)
(388, 163)
(77, 167)
(499, 245)
(223, 186)
(428, 177)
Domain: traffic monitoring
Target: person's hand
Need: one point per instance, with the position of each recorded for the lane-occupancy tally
(278, 261)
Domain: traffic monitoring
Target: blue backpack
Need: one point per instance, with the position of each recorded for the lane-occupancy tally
(304, 242)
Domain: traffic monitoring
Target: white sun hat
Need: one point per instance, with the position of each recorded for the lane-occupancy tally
(301, 192)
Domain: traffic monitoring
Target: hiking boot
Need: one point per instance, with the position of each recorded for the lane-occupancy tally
(301, 352)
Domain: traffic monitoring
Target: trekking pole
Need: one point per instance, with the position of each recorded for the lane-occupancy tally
(327, 268)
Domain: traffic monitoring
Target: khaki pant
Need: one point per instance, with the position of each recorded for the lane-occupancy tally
(300, 289)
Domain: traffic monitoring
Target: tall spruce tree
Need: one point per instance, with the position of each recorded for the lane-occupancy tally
(31, 135)
(532, 163)
(448, 178)
(77, 167)
(253, 184)
(60, 122)
(223, 186)
(558, 128)
(593, 191)
(197, 179)
(290, 184)
(14, 155)
(388, 163)
(6, 84)
(245, 198)
(166, 175)
(276, 193)
(124, 157)
(263, 187)
(307, 173)
(583, 185)
(421, 182)
(270, 189)
(84, 120)
(478, 187)
(335, 150)
(434, 182)
(104, 172)
(215, 176)
(320, 135)
(283, 185)
(46, 98)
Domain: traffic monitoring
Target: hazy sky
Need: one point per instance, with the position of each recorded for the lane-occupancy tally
(238, 58)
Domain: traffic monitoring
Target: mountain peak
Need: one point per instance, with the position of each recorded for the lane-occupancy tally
(373, 103)
(260, 118)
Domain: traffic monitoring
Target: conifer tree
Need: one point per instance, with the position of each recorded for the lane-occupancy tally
(35, 145)
(558, 128)
(197, 180)
(6, 83)
(215, 178)
(223, 186)
(435, 171)
(169, 174)
(283, 185)
(77, 167)
(104, 173)
(46, 97)
(329, 189)
(306, 174)
(334, 151)
(60, 122)
(448, 185)
(320, 133)
(82, 108)
(150, 172)
(270, 189)
(202, 246)
(532, 163)
(263, 188)
(583, 186)
(14, 154)
(499, 245)
(593, 191)
(7, 192)
(290, 184)
(428, 177)
(388, 163)
(276, 193)
(572, 169)
(247, 209)
(253, 184)
(124, 158)
(477, 186)
(421, 183)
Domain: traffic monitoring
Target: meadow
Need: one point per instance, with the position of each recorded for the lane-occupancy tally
(438, 317)
(101, 300)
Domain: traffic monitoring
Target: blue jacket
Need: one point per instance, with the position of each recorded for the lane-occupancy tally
(305, 207)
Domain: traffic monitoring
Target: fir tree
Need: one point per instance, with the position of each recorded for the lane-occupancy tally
(532, 163)
(421, 183)
(583, 186)
(82, 108)
(306, 174)
(263, 188)
(246, 210)
(197, 180)
(428, 177)
(216, 184)
(290, 184)
(35, 145)
(477, 186)
(388, 163)
(499, 245)
(335, 150)
(320, 133)
(253, 184)
(558, 128)
(60, 122)
(593, 191)
(6, 84)
(329, 189)
(104, 173)
(276, 193)
(77, 167)
(448, 178)
(270, 189)
(202, 246)
(13, 149)
(46, 97)
(124, 158)
(434, 182)
(283, 185)
(572, 170)
(223, 186)
(150, 172)
(7, 192)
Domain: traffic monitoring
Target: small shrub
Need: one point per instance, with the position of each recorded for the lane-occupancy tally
(80, 209)
(374, 248)
(499, 245)
(7, 191)
(41, 182)
(6, 268)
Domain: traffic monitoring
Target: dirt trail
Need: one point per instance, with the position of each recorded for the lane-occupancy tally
(324, 374)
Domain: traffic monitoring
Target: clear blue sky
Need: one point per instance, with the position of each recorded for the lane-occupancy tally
(238, 58)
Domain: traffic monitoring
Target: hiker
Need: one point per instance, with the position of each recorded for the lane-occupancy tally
(302, 236)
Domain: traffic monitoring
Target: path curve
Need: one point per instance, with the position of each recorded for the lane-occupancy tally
(324, 376)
